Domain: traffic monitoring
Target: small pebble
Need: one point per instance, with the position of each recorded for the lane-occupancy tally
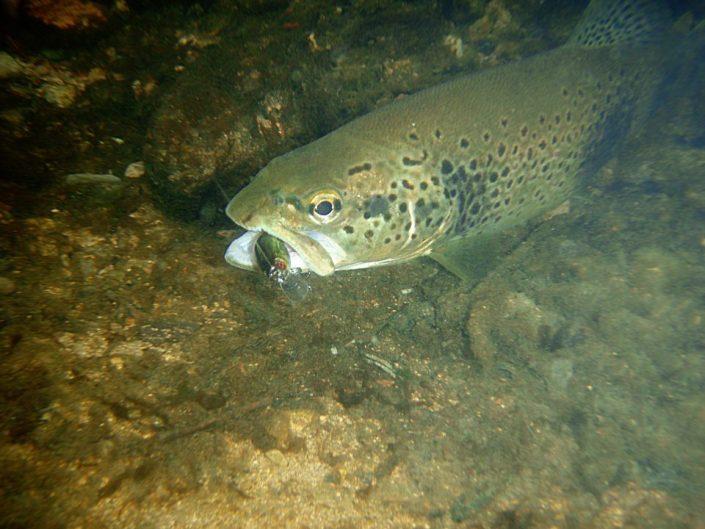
(135, 170)
(7, 286)
(276, 457)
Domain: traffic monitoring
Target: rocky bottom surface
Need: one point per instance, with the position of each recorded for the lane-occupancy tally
(144, 383)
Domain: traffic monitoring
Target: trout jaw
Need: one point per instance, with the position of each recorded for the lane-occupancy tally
(305, 250)
(241, 253)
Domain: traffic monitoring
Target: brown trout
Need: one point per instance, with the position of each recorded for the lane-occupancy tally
(461, 162)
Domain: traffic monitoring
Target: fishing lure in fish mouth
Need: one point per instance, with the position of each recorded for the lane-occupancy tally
(274, 257)
(262, 251)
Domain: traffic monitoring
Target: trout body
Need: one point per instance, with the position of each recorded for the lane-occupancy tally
(461, 161)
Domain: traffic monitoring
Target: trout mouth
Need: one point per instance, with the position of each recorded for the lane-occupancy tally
(241, 253)
(307, 251)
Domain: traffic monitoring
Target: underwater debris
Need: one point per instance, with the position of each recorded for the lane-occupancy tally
(135, 170)
(381, 363)
(92, 178)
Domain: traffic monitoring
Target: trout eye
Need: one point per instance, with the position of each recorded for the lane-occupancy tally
(324, 207)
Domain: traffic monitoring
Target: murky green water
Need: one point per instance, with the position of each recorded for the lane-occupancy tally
(144, 383)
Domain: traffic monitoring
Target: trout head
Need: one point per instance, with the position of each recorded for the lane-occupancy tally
(338, 204)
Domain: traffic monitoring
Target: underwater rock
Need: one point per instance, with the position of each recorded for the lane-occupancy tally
(7, 286)
(60, 95)
(66, 14)
(202, 132)
(135, 170)
(51, 81)
(86, 345)
(632, 506)
(43, 240)
(9, 66)
(654, 270)
(92, 178)
(287, 428)
(510, 324)
(418, 321)
(561, 373)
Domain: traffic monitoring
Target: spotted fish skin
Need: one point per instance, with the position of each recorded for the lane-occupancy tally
(467, 158)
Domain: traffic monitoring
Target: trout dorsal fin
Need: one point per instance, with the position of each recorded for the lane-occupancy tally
(613, 22)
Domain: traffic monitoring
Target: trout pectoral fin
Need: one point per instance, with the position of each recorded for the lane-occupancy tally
(472, 257)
